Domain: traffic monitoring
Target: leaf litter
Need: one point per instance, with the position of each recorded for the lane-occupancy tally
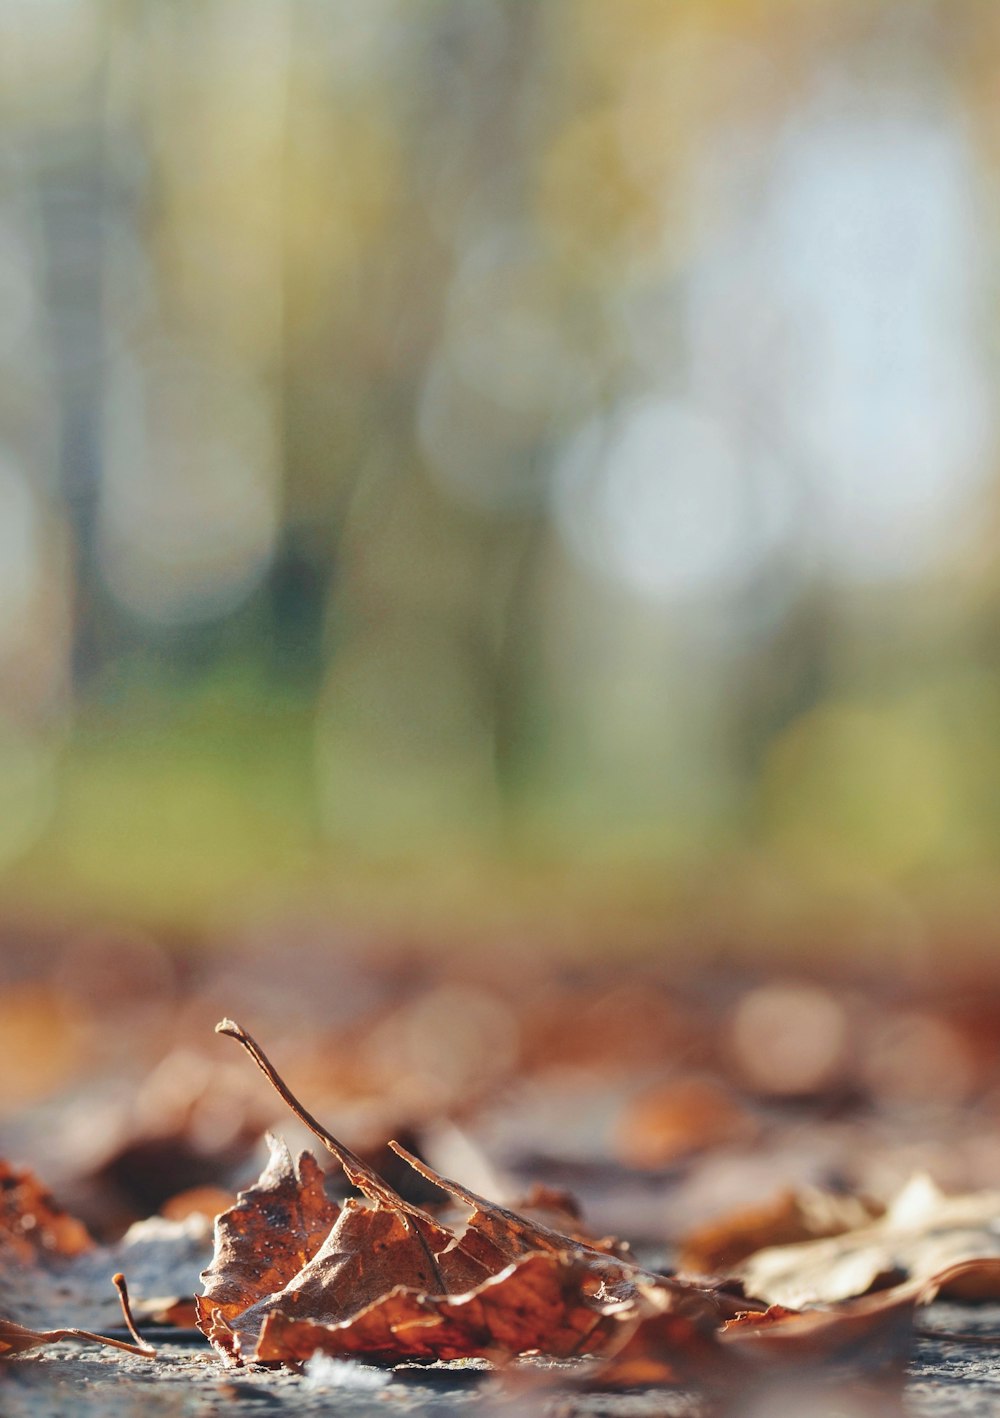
(390, 1282)
(812, 1283)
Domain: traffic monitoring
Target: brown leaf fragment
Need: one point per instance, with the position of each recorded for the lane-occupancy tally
(32, 1225)
(548, 1303)
(864, 1334)
(672, 1120)
(805, 1215)
(676, 1344)
(369, 1251)
(973, 1281)
(351, 1256)
(263, 1242)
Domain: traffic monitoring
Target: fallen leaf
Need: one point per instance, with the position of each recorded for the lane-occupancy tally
(249, 1261)
(32, 1225)
(672, 1120)
(867, 1333)
(808, 1213)
(380, 1278)
(922, 1233)
(671, 1346)
(385, 1266)
(543, 1302)
(970, 1280)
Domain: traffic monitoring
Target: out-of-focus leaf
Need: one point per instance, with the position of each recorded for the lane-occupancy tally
(32, 1225)
(805, 1215)
(922, 1233)
(672, 1120)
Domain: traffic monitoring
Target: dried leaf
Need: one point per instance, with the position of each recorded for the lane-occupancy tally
(673, 1345)
(922, 1233)
(32, 1226)
(262, 1242)
(794, 1216)
(550, 1302)
(381, 1278)
(672, 1120)
(970, 1280)
(386, 1266)
(867, 1333)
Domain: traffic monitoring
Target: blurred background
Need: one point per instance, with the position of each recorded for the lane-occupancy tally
(476, 471)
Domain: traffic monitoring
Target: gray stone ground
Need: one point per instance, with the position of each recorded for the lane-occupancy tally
(944, 1378)
(960, 1378)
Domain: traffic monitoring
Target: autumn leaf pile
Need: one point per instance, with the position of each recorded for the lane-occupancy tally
(378, 1278)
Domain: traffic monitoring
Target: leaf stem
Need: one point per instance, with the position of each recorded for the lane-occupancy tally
(358, 1172)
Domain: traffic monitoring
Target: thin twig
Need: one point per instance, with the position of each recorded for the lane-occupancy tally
(952, 1336)
(118, 1281)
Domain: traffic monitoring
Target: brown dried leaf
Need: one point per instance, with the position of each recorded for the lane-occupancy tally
(970, 1280)
(32, 1226)
(805, 1215)
(672, 1120)
(549, 1303)
(390, 1282)
(373, 1253)
(922, 1233)
(261, 1243)
(391, 1262)
(672, 1345)
(867, 1333)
